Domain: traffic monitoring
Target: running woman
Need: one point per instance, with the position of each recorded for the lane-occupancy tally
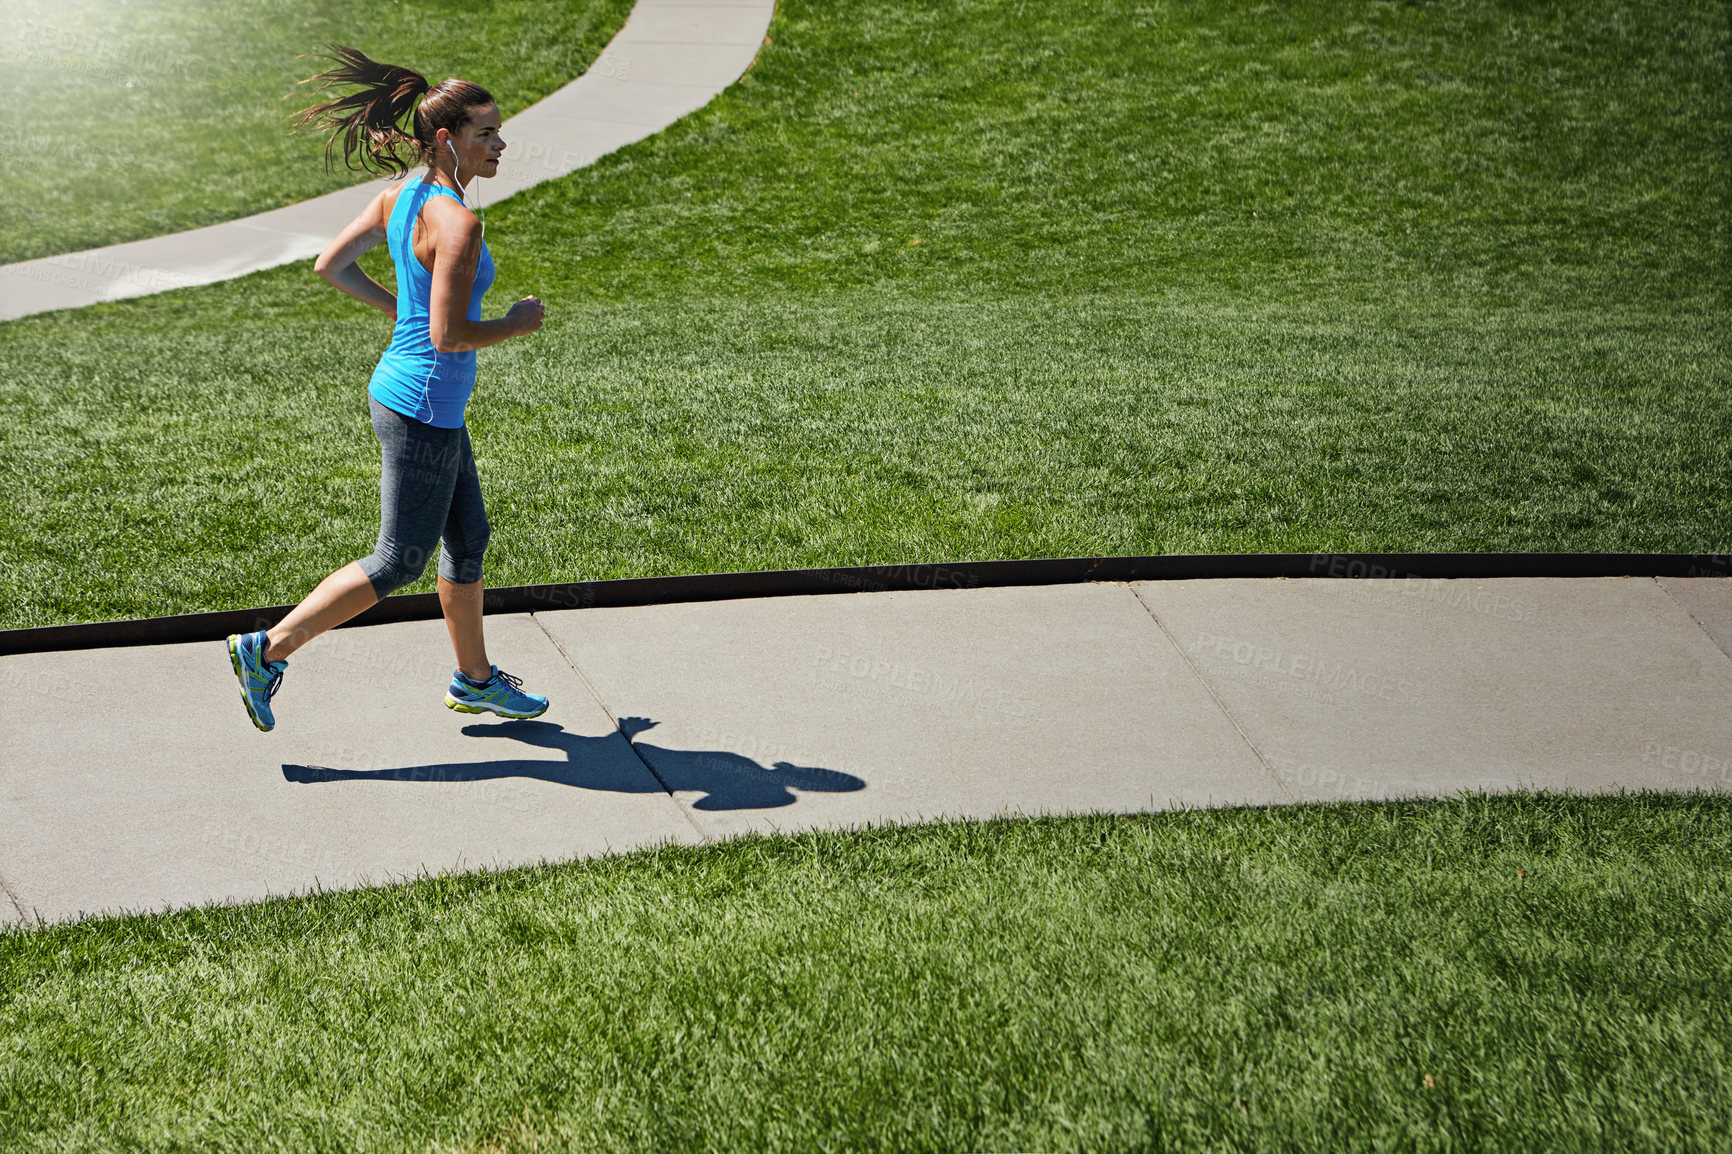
(429, 490)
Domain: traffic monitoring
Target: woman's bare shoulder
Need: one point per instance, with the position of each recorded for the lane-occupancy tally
(451, 218)
(387, 199)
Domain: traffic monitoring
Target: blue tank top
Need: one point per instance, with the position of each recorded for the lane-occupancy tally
(413, 378)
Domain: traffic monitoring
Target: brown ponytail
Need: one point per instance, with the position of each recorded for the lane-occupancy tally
(370, 119)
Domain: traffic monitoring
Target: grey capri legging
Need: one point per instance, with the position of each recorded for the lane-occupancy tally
(428, 491)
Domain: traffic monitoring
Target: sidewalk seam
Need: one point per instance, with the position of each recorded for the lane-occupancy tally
(1695, 620)
(12, 896)
(630, 744)
(1213, 696)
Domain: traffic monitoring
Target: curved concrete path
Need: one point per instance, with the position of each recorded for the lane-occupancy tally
(690, 722)
(671, 58)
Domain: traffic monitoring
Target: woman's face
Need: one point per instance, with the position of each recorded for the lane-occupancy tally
(478, 143)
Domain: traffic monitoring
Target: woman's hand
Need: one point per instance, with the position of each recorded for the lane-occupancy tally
(527, 315)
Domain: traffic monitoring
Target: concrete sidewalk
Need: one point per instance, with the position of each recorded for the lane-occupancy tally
(132, 779)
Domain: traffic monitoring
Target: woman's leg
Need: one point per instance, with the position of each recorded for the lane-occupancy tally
(419, 464)
(460, 591)
(338, 597)
(462, 606)
(460, 582)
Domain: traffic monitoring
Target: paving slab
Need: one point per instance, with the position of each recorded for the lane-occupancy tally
(1382, 689)
(689, 23)
(133, 778)
(180, 260)
(837, 711)
(1708, 600)
(650, 107)
(549, 144)
(763, 7)
(711, 65)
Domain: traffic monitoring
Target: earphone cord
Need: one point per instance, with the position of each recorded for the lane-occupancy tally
(480, 209)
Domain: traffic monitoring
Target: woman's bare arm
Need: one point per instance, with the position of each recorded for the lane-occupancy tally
(456, 254)
(337, 263)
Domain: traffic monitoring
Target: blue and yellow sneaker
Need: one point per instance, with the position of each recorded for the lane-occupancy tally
(259, 678)
(502, 694)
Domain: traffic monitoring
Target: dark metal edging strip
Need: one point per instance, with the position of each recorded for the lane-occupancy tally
(882, 578)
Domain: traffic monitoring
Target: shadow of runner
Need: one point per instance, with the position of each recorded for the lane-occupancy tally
(727, 780)
(732, 780)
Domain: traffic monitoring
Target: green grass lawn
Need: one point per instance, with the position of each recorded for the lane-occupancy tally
(973, 279)
(134, 118)
(964, 280)
(1524, 973)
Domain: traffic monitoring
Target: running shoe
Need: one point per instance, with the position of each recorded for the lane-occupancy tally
(259, 678)
(502, 694)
